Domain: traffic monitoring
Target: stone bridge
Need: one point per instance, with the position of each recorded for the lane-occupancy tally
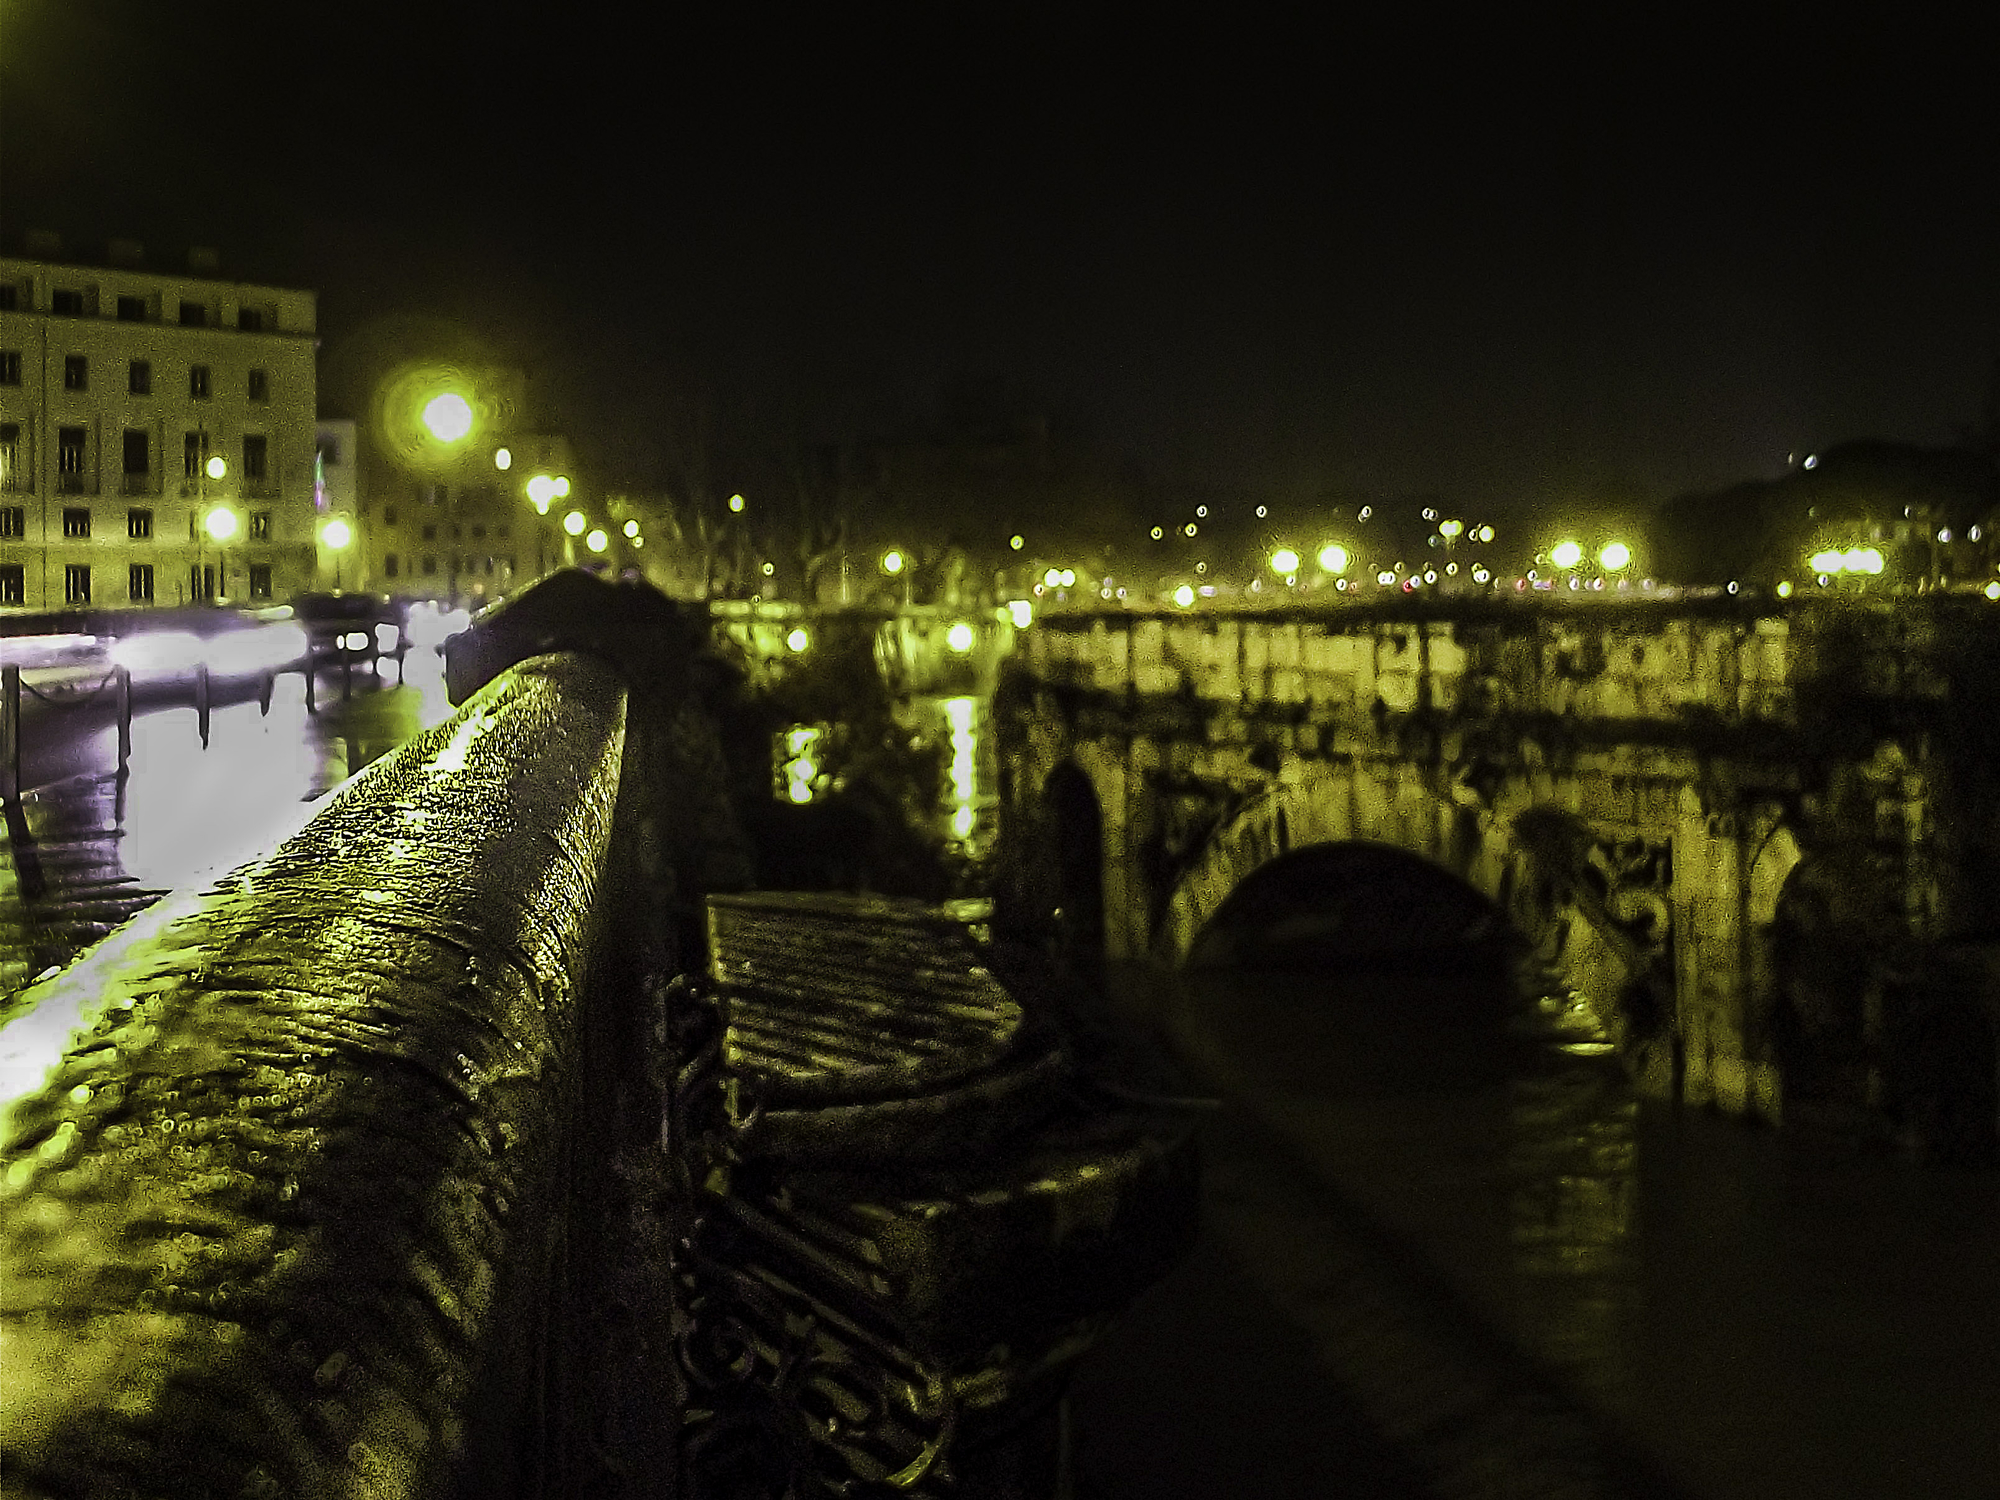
(1757, 841)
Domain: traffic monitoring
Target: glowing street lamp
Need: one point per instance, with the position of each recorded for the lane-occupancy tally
(892, 562)
(216, 468)
(736, 503)
(335, 536)
(574, 523)
(597, 541)
(1449, 530)
(1017, 542)
(220, 523)
(1566, 554)
(448, 417)
(1613, 556)
(631, 528)
(960, 637)
(541, 490)
(1332, 558)
(503, 458)
(1485, 533)
(1284, 560)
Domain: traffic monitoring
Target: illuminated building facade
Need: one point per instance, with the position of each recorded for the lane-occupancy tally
(156, 434)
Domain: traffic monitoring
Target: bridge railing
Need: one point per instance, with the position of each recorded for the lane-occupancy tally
(307, 1180)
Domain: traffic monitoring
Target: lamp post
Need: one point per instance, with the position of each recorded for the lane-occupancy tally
(335, 536)
(219, 523)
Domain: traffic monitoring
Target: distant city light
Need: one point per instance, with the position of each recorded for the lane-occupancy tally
(1189, 529)
(574, 523)
(216, 467)
(1333, 558)
(1430, 575)
(1385, 577)
(1450, 528)
(1614, 556)
(1784, 588)
(1021, 612)
(1184, 595)
(1812, 462)
(1566, 554)
(1480, 575)
(799, 639)
(631, 528)
(1016, 541)
(736, 504)
(503, 458)
(1486, 533)
(1992, 590)
(448, 417)
(1944, 534)
(1158, 532)
(597, 541)
(1263, 511)
(562, 486)
(1284, 560)
(892, 560)
(1429, 514)
(1068, 577)
(541, 490)
(960, 637)
(336, 534)
(1202, 511)
(1365, 512)
(769, 568)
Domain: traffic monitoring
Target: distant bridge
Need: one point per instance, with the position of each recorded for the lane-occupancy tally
(1760, 842)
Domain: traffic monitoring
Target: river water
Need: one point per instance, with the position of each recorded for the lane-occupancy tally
(1753, 1314)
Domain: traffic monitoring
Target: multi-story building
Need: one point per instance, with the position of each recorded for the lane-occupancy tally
(156, 434)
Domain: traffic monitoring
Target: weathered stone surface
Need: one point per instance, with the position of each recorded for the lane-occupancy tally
(284, 1160)
(1710, 756)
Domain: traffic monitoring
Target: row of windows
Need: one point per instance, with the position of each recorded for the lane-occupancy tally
(138, 376)
(138, 523)
(392, 565)
(502, 531)
(138, 582)
(68, 302)
(72, 445)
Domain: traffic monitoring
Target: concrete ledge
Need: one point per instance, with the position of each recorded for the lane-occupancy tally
(282, 1163)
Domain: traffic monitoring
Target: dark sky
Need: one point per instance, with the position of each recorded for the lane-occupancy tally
(1509, 268)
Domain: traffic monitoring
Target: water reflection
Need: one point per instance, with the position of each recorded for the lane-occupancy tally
(87, 850)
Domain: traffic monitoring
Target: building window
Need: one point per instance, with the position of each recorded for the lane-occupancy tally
(69, 458)
(193, 315)
(10, 455)
(201, 581)
(430, 566)
(13, 521)
(10, 366)
(13, 583)
(76, 372)
(430, 533)
(254, 449)
(139, 584)
(194, 453)
(488, 567)
(389, 566)
(76, 583)
(329, 451)
(76, 521)
(139, 525)
(138, 452)
(198, 382)
(260, 580)
(388, 515)
(260, 526)
(68, 304)
(139, 378)
(10, 296)
(131, 309)
(260, 385)
(250, 320)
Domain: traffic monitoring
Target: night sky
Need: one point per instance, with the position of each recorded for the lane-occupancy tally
(1510, 269)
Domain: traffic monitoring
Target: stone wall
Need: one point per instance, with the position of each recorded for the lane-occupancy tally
(1638, 785)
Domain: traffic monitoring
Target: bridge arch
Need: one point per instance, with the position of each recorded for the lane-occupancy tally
(1072, 818)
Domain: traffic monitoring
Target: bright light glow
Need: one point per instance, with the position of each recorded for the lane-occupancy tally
(1284, 560)
(1566, 554)
(1385, 577)
(1450, 528)
(1992, 591)
(1333, 558)
(1430, 575)
(597, 541)
(503, 458)
(799, 639)
(562, 486)
(449, 417)
(1190, 528)
(574, 523)
(769, 569)
(736, 504)
(1364, 513)
(1829, 561)
(1158, 532)
(217, 468)
(1812, 462)
(1613, 556)
(1486, 533)
(1184, 595)
(1429, 514)
(1021, 612)
(1854, 560)
(1052, 578)
(1871, 560)
(387, 637)
(1784, 588)
(336, 534)
(220, 523)
(1263, 511)
(892, 561)
(631, 528)
(1201, 511)
(354, 640)
(960, 637)
(541, 490)
(1016, 541)
(1068, 577)
(1480, 575)
(1944, 533)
